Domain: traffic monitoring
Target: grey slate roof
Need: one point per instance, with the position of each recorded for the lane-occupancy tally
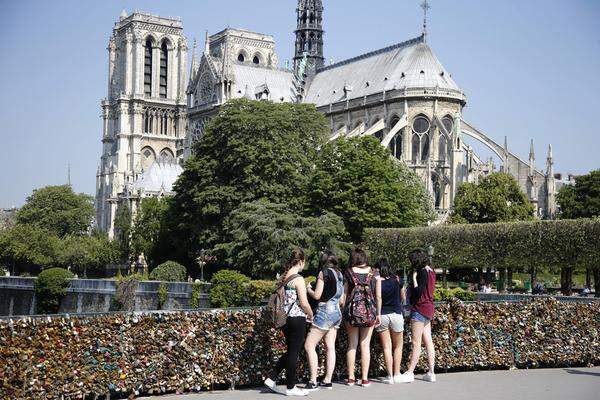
(250, 79)
(409, 64)
(160, 177)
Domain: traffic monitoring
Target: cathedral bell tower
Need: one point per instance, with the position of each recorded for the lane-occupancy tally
(309, 37)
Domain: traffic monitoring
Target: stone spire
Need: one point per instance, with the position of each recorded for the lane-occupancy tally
(309, 35)
(194, 63)
(531, 159)
(425, 6)
(206, 43)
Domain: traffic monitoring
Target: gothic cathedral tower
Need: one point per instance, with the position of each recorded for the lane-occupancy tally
(309, 36)
(144, 113)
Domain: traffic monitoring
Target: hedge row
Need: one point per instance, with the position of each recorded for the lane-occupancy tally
(544, 244)
(190, 351)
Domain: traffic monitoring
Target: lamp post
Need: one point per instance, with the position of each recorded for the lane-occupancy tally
(201, 263)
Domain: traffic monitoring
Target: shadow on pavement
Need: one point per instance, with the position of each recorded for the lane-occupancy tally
(578, 372)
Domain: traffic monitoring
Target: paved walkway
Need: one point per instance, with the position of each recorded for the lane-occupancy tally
(534, 384)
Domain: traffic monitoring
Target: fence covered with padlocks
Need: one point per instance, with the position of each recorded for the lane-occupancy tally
(127, 355)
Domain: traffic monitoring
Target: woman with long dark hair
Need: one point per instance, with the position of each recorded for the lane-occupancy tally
(362, 310)
(329, 291)
(421, 298)
(298, 313)
(391, 329)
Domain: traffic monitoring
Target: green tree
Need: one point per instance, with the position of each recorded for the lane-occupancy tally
(581, 200)
(496, 198)
(123, 230)
(169, 271)
(250, 150)
(85, 253)
(58, 209)
(50, 287)
(260, 235)
(29, 245)
(359, 181)
(148, 228)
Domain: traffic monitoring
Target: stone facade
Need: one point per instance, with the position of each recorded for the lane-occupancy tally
(401, 94)
(144, 114)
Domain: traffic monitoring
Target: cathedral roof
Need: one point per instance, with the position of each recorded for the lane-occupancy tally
(410, 64)
(160, 177)
(251, 78)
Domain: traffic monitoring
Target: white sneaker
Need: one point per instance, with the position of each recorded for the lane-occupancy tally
(429, 377)
(407, 377)
(296, 391)
(388, 380)
(269, 383)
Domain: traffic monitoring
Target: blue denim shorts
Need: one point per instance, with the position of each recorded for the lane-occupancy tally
(419, 317)
(327, 316)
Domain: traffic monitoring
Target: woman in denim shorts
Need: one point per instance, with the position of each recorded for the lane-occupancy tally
(327, 318)
(391, 330)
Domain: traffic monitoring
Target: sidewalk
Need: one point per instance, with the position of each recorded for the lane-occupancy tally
(534, 384)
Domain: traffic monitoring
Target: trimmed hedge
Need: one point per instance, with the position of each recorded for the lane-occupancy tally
(228, 288)
(50, 288)
(169, 271)
(187, 351)
(543, 244)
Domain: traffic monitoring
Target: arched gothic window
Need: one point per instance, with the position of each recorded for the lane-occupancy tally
(437, 192)
(148, 68)
(166, 155)
(448, 123)
(424, 147)
(241, 57)
(256, 60)
(416, 144)
(442, 147)
(395, 145)
(148, 157)
(163, 70)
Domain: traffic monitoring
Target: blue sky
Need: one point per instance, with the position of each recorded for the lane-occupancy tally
(530, 69)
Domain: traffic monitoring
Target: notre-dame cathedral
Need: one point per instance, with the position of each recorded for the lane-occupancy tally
(400, 94)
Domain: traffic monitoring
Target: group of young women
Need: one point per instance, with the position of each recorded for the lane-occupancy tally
(363, 299)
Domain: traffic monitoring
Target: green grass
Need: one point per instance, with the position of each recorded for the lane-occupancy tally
(548, 279)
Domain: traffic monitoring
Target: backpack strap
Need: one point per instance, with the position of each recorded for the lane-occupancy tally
(287, 280)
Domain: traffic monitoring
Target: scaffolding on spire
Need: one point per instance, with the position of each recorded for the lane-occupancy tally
(425, 6)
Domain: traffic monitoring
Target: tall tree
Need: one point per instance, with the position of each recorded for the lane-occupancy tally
(26, 245)
(260, 235)
(148, 225)
(359, 181)
(58, 209)
(496, 198)
(581, 200)
(88, 253)
(250, 150)
(123, 230)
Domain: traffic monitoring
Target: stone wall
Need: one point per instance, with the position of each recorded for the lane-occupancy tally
(94, 295)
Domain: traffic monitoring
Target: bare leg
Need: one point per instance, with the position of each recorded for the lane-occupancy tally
(397, 342)
(310, 346)
(386, 344)
(365, 351)
(416, 328)
(330, 347)
(351, 352)
(428, 341)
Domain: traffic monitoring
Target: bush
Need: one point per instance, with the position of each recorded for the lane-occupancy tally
(228, 288)
(441, 294)
(540, 244)
(169, 271)
(195, 298)
(50, 287)
(163, 294)
(259, 290)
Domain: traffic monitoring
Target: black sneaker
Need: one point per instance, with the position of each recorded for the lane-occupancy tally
(310, 386)
(326, 386)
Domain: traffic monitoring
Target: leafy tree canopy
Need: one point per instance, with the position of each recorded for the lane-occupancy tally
(262, 234)
(496, 198)
(58, 209)
(85, 253)
(359, 181)
(581, 200)
(148, 227)
(250, 150)
(29, 245)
